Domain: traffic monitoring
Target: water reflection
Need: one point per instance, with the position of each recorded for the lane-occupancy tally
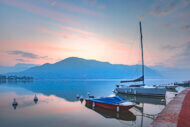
(125, 115)
(35, 101)
(14, 107)
(146, 110)
(68, 89)
(58, 105)
(144, 99)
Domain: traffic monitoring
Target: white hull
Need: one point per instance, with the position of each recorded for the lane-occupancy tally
(143, 91)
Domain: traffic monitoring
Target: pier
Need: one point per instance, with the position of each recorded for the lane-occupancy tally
(176, 113)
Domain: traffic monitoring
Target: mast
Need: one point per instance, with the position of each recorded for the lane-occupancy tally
(141, 39)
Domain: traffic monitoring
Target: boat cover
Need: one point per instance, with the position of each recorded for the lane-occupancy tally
(108, 100)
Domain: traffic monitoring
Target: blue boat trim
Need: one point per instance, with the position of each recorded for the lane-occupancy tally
(108, 100)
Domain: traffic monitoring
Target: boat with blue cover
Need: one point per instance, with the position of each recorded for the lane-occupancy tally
(115, 103)
(125, 115)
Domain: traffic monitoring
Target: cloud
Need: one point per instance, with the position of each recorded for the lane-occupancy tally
(74, 8)
(20, 60)
(186, 50)
(94, 3)
(185, 27)
(169, 47)
(26, 54)
(181, 58)
(75, 30)
(90, 2)
(42, 11)
(61, 34)
(166, 7)
(101, 6)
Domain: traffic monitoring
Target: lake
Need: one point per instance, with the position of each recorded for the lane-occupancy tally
(58, 106)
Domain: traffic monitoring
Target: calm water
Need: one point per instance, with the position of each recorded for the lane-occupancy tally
(59, 107)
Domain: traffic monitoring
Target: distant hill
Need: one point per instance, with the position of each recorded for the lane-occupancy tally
(173, 73)
(17, 68)
(78, 68)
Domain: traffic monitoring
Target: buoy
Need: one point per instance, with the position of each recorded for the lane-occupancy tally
(14, 106)
(77, 96)
(162, 100)
(81, 99)
(35, 98)
(117, 86)
(14, 102)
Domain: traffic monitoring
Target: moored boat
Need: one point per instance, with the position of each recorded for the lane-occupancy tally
(125, 115)
(184, 84)
(171, 87)
(115, 103)
(140, 89)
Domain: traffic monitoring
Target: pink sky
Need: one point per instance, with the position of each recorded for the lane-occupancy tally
(52, 31)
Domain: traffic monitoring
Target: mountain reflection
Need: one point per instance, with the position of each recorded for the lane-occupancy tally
(57, 101)
(68, 89)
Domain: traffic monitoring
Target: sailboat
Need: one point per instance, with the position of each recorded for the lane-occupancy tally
(140, 89)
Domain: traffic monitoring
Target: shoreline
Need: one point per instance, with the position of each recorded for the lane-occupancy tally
(171, 115)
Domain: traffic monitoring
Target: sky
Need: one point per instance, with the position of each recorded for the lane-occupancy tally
(47, 31)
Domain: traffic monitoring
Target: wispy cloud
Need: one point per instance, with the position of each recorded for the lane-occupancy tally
(185, 27)
(20, 60)
(181, 57)
(74, 8)
(51, 32)
(26, 54)
(186, 50)
(169, 47)
(42, 11)
(75, 30)
(91, 2)
(166, 7)
(94, 3)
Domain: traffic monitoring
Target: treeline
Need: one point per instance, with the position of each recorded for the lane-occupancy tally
(15, 78)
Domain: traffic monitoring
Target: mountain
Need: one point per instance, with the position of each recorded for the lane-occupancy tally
(17, 68)
(173, 73)
(78, 68)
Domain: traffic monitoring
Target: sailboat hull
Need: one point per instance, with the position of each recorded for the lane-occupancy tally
(141, 91)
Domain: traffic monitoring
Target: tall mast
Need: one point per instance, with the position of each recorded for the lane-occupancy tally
(142, 51)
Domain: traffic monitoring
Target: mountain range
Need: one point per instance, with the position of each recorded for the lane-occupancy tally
(16, 68)
(173, 73)
(79, 68)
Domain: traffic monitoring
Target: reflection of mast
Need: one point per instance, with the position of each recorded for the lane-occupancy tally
(142, 114)
(141, 110)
